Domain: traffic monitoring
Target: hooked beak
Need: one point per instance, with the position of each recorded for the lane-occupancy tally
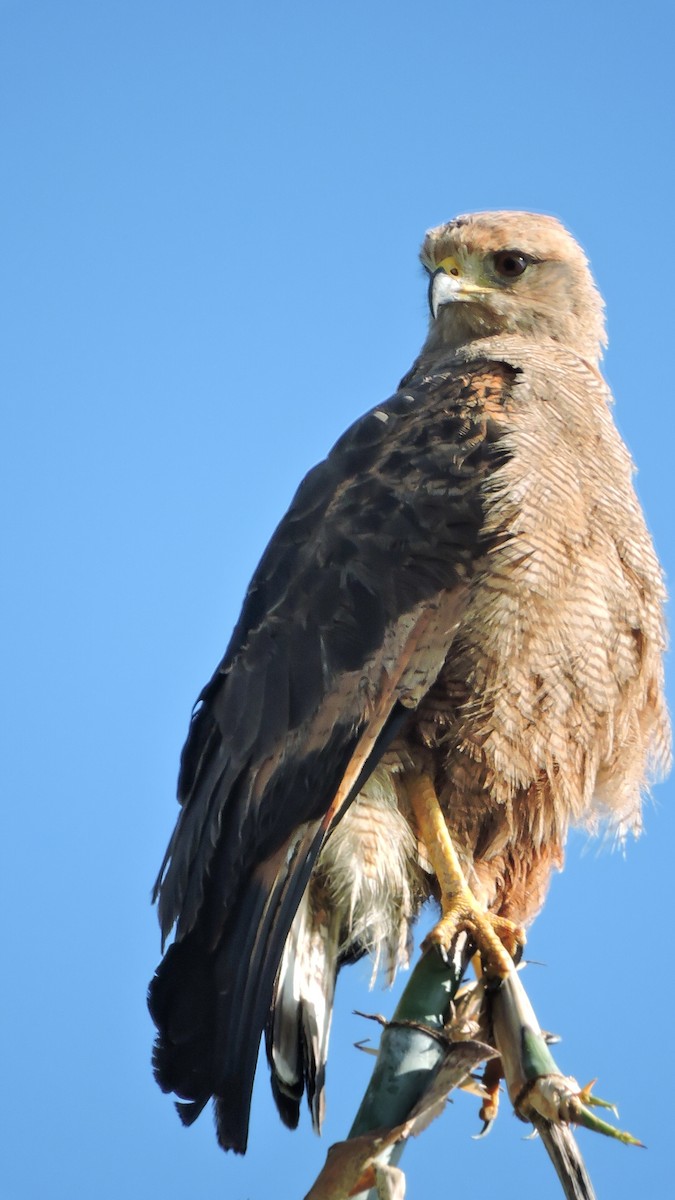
(445, 289)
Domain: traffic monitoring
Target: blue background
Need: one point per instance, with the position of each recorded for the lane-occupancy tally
(209, 218)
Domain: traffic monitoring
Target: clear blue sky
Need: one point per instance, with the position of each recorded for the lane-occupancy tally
(210, 216)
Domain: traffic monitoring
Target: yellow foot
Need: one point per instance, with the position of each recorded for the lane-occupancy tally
(492, 1077)
(496, 939)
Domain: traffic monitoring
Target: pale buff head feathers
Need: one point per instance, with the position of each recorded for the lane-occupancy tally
(511, 273)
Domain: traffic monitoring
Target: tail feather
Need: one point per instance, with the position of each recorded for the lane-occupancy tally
(248, 966)
(211, 996)
(210, 1003)
(181, 1000)
(298, 1029)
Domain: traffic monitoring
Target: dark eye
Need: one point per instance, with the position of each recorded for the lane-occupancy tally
(510, 263)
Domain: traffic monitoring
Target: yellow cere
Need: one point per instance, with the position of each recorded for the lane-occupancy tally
(449, 265)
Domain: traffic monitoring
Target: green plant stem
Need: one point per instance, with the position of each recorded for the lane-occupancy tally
(410, 1055)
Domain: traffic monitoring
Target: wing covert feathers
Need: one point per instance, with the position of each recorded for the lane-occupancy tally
(384, 529)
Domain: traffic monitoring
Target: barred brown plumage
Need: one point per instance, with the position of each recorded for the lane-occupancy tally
(464, 590)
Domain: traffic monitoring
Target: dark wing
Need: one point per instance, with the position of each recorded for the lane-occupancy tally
(345, 625)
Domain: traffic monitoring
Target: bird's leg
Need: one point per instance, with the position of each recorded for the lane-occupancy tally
(496, 939)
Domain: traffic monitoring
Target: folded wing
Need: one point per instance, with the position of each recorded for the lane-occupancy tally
(345, 626)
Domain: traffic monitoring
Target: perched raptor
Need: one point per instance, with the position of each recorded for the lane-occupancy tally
(450, 652)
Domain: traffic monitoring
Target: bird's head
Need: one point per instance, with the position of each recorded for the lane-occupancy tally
(511, 273)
